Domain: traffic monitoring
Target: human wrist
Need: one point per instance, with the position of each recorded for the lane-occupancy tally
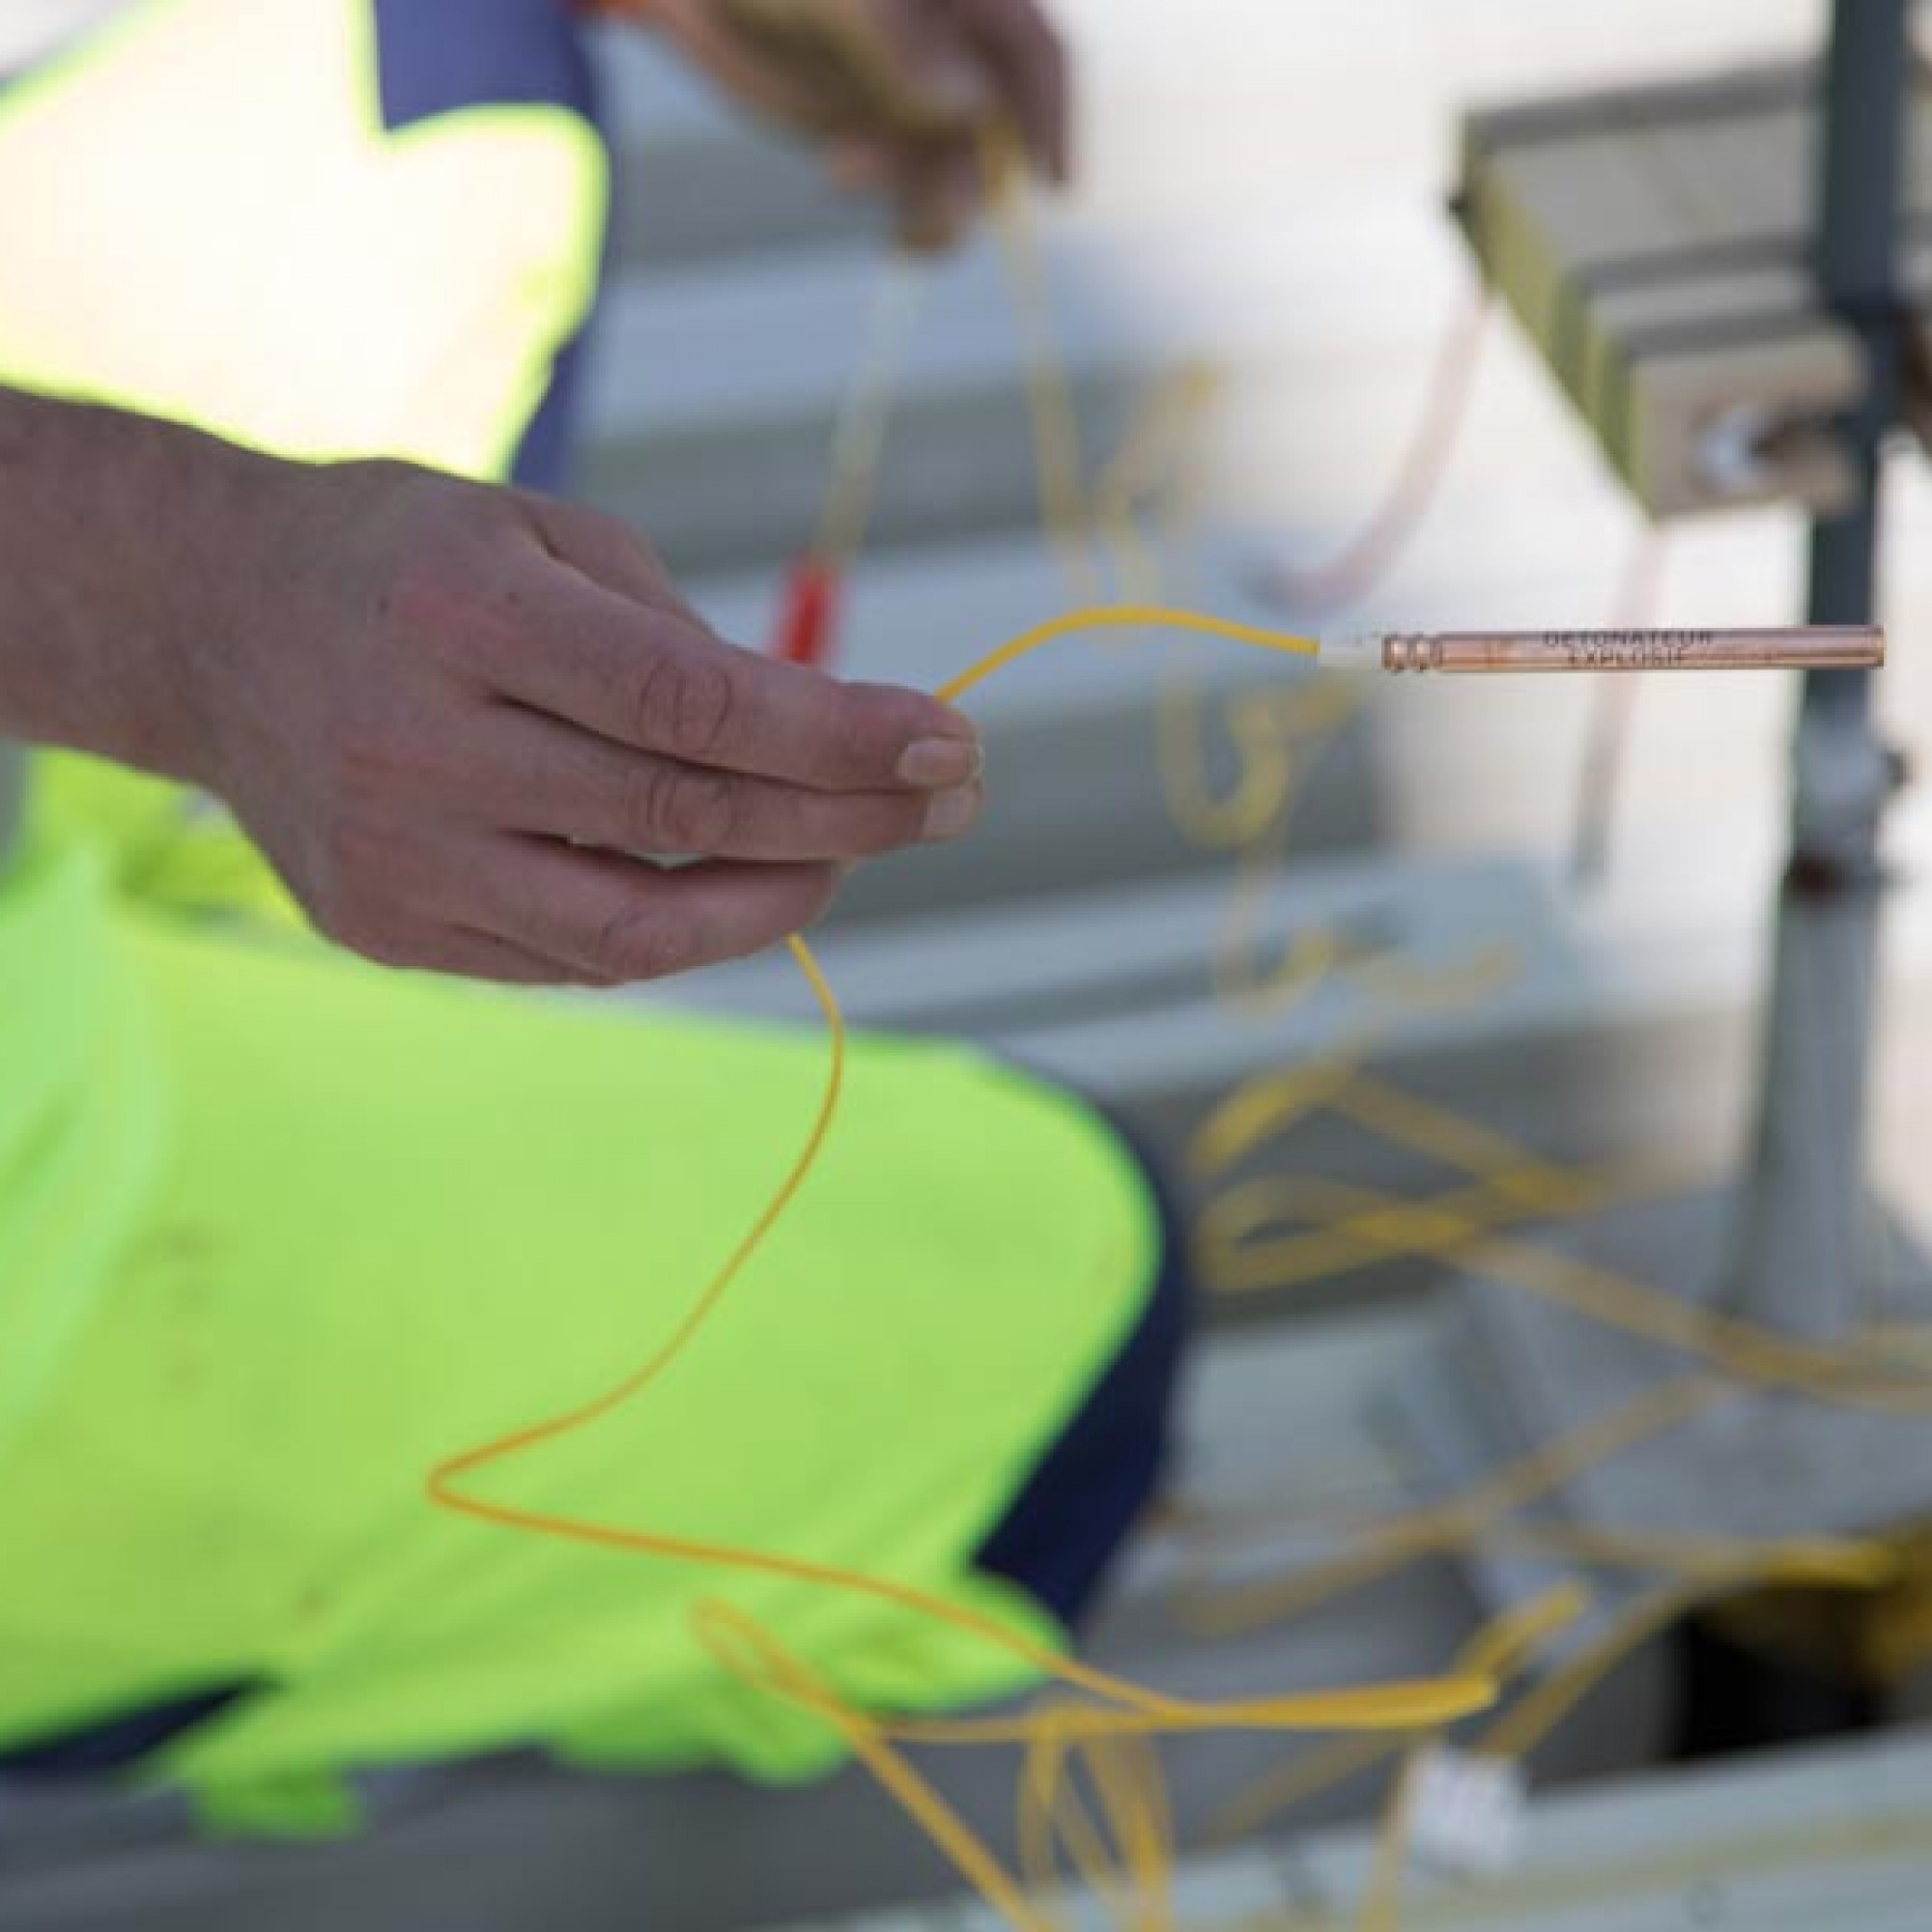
(121, 541)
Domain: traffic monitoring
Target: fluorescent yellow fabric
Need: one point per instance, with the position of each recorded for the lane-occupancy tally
(389, 1216)
(81, 1124)
(160, 844)
(203, 217)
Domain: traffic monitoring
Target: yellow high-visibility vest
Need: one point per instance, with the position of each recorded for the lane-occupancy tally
(278, 1229)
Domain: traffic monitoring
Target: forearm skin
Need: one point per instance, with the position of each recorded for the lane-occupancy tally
(118, 534)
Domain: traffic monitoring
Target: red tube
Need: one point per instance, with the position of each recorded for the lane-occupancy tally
(809, 617)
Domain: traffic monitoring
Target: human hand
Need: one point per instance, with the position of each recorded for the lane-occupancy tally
(452, 716)
(897, 91)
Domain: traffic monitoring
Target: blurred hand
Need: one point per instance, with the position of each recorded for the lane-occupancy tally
(452, 715)
(897, 91)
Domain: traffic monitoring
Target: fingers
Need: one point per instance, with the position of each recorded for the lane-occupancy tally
(534, 776)
(527, 911)
(658, 681)
(942, 68)
(618, 921)
(1031, 61)
(962, 64)
(899, 90)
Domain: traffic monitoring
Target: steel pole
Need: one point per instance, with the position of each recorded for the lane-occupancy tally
(1805, 1256)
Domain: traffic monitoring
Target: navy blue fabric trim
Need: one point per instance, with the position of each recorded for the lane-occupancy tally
(546, 457)
(1070, 1520)
(439, 56)
(113, 1745)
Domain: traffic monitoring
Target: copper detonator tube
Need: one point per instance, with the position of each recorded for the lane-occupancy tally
(1796, 647)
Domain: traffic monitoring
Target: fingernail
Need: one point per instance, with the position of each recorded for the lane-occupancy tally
(952, 813)
(940, 764)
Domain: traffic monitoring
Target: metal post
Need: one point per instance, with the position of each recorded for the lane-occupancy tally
(1805, 1256)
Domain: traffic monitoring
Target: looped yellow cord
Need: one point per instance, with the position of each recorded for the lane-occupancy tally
(1270, 1234)
(755, 1657)
(1133, 1876)
(1394, 1543)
